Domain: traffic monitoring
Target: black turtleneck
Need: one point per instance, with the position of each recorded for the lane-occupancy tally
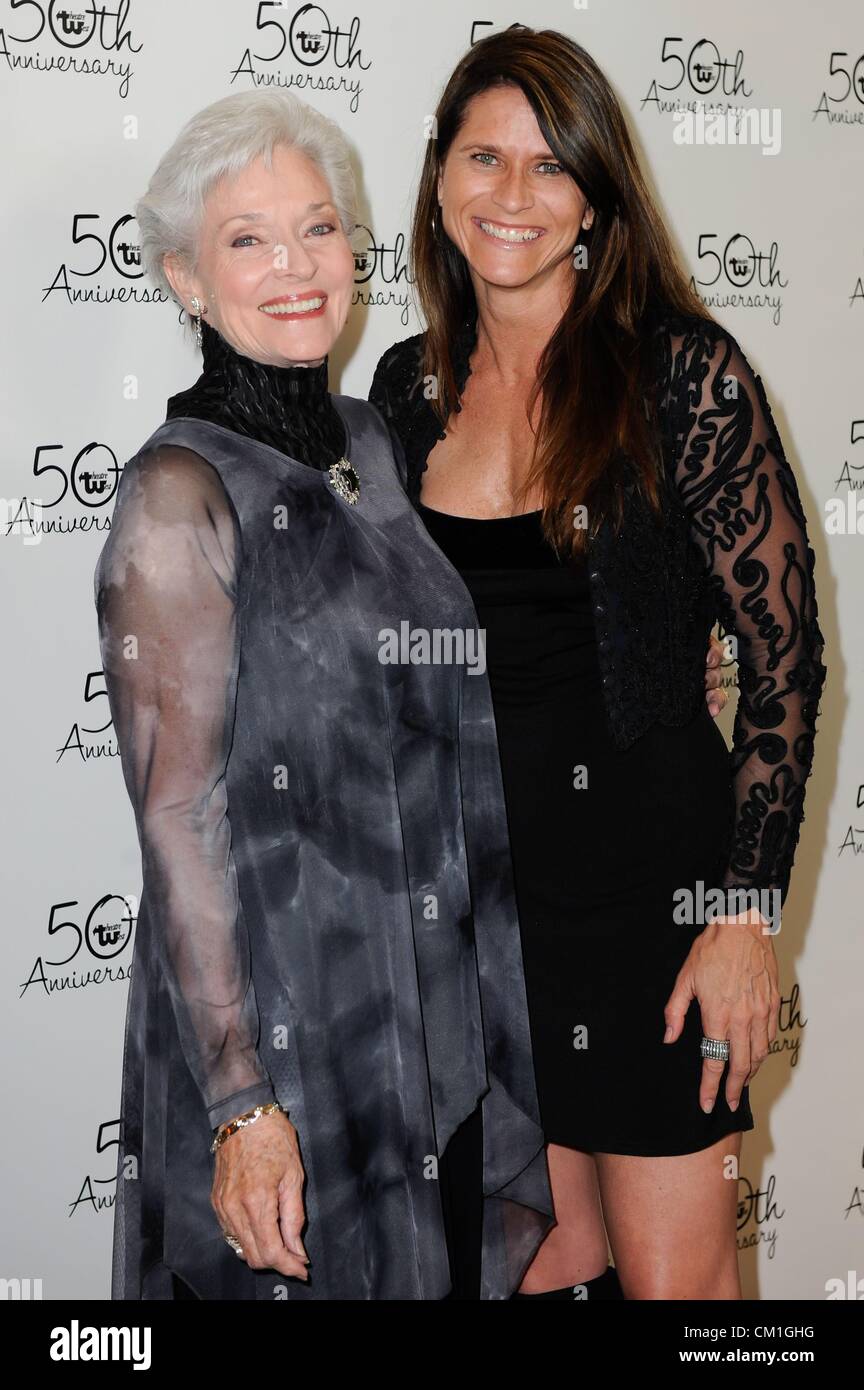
(288, 408)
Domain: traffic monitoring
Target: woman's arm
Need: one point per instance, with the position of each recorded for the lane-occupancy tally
(166, 595)
(745, 513)
(166, 600)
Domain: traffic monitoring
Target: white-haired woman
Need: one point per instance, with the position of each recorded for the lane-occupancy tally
(319, 991)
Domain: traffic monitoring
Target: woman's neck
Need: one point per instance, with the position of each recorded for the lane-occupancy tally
(287, 407)
(513, 328)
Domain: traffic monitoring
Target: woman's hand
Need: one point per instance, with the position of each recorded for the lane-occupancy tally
(732, 971)
(258, 1194)
(716, 696)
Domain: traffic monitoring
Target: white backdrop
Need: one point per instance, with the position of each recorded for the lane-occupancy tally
(89, 359)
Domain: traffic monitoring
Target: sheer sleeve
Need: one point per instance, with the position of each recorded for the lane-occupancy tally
(745, 514)
(166, 602)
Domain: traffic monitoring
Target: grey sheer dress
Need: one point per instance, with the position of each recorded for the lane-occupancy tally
(327, 915)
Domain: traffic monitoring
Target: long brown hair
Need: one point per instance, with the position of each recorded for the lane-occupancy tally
(594, 371)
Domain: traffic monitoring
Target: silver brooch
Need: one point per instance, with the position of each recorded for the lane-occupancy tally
(345, 480)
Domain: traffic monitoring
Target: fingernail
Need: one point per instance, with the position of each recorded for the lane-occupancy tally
(733, 1105)
(668, 1034)
(708, 1106)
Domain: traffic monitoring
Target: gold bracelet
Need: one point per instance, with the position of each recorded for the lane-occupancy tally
(231, 1126)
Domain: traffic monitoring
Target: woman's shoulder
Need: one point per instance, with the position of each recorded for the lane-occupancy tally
(690, 348)
(402, 354)
(174, 477)
(398, 375)
(694, 333)
(171, 503)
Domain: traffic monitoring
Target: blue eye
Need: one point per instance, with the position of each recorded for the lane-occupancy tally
(551, 164)
(483, 155)
(323, 227)
(247, 236)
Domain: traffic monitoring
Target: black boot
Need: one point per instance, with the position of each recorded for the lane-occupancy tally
(605, 1286)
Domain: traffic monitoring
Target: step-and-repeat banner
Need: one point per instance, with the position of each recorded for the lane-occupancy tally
(770, 230)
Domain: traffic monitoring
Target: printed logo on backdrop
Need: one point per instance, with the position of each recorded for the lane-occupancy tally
(95, 952)
(108, 249)
(381, 276)
(76, 37)
(736, 273)
(844, 513)
(843, 104)
(851, 476)
(83, 744)
(758, 1215)
(790, 1028)
(79, 482)
(697, 78)
(853, 841)
(855, 1205)
(310, 48)
(99, 1194)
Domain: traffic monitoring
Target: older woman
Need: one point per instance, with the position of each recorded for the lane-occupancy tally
(601, 464)
(321, 993)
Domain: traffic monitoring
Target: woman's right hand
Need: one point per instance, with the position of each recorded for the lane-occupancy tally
(257, 1194)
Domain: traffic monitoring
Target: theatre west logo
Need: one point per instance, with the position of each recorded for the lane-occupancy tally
(102, 263)
(851, 475)
(697, 78)
(85, 743)
(88, 954)
(844, 514)
(758, 1215)
(738, 274)
(852, 844)
(73, 487)
(97, 1195)
(790, 1027)
(84, 40)
(381, 272)
(841, 101)
(325, 53)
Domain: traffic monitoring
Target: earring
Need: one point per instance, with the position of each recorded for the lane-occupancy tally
(196, 306)
(434, 224)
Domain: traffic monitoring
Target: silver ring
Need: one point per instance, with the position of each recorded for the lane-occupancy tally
(234, 1243)
(716, 1048)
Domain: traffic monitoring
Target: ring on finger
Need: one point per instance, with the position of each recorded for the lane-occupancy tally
(716, 1048)
(234, 1243)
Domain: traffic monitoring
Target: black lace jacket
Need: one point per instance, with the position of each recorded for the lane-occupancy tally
(731, 546)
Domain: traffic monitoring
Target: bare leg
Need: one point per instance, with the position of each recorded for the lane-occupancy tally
(671, 1222)
(576, 1249)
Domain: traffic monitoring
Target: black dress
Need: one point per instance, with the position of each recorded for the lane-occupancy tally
(600, 840)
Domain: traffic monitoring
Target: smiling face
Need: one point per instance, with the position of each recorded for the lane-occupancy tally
(275, 269)
(506, 202)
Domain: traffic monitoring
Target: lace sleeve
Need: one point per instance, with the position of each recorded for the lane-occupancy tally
(166, 602)
(745, 513)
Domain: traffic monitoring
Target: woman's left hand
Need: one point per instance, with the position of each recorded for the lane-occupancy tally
(716, 696)
(732, 971)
